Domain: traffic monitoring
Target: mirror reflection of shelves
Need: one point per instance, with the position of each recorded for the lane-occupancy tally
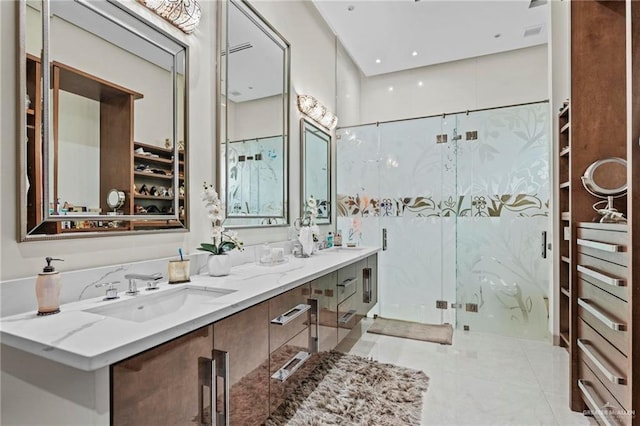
(153, 191)
(34, 140)
(564, 249)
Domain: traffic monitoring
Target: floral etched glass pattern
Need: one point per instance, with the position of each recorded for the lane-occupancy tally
(463, 218)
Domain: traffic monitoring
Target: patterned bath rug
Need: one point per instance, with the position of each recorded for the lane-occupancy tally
(437, 333)
(350, 390)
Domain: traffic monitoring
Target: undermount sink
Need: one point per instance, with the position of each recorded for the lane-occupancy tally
(147, 307)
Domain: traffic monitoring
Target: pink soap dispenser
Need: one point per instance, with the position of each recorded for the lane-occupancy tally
(48, 289)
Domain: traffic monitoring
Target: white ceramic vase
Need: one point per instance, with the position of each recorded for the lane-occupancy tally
(219, 265)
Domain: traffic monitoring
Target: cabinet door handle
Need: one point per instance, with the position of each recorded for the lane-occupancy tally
(366, 284)
(384, 239)
(291, 366)
(206, 378)
(582, 344)
(582, 384)
(616, 282)
(347, 316)
(611, 248)
(291, 314)
(314, 343)
(616, 326)
(348, 282)
(221, 369)
(213, 413)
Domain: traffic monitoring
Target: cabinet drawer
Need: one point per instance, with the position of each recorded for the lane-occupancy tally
(289, 314)
(324, 290)
(606, 313)
(590, 247)
(347, 287)
(348, 316)
(604, 244)
(599, 400)
(289, 365)
(604, 235)
(346, 283)
(605, 361)
(609, 276)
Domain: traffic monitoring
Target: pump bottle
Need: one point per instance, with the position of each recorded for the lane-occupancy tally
(48, 286)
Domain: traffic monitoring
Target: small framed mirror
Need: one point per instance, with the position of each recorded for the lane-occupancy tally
(316, 168)
(253, 118)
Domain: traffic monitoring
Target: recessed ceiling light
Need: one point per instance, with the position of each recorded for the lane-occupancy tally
(420, 84)
(378, 61)
(350, 8)
(414, 53)
(391, 88)
(497, 35)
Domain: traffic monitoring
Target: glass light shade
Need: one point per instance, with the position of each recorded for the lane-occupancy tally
(184, 14)
(309, 106)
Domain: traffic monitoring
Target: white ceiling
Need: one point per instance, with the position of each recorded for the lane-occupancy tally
(438, 30)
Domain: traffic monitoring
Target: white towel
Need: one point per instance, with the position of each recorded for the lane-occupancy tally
(306, 239)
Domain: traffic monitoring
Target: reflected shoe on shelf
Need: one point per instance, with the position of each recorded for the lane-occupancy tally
(144, 190)
(139, 209)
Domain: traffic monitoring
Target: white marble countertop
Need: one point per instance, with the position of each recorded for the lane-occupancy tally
(90, 341)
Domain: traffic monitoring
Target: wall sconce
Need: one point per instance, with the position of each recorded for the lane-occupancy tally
(309, 106)
(184, 14)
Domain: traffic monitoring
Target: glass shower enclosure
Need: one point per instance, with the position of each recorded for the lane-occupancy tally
(460, 204)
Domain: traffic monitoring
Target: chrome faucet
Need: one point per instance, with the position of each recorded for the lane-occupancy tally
(112, 291)
(151, 279)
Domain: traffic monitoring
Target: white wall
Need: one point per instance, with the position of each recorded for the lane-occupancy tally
(258, 118)
(312, 71)
(507, 78)
(25, 259)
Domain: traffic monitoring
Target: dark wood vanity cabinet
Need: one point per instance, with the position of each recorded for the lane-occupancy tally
(167, 385)
(291, 343)
(241, 355)
(250, 361)
(357, 293)
(324, 290)
(172, 383)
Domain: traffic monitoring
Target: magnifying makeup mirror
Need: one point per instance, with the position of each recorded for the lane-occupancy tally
(607, 179)
(115, 200)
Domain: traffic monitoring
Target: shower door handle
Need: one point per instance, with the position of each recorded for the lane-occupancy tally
(543, 244)
(384, 239)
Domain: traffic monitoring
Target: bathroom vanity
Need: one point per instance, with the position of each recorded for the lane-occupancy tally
(238, 343)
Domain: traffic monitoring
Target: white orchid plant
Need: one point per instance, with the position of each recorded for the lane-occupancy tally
(310, 215)
(310, 212)
(223, 240)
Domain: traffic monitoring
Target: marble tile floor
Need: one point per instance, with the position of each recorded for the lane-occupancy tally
(482, 379)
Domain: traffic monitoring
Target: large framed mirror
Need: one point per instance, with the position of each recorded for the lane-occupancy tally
(316, 169)
(104, 137)
(253, 118)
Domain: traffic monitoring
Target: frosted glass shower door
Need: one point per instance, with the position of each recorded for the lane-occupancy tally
(417, 181)
(463, 199)
(396, 178)
(358, 185)
(503, 186)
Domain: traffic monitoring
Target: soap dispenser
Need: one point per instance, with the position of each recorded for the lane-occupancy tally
(48, 289)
